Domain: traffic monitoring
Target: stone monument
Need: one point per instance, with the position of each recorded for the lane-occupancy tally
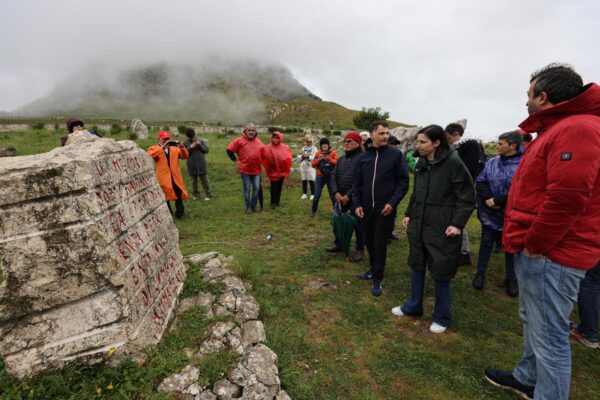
(139, 129)
(88, 252)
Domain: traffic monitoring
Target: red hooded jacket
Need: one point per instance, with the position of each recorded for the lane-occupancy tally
(553, 206)
(249, 154)
(277, 159)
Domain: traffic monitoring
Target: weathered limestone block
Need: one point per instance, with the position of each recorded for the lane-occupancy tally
(89, 254)
(226, 390)
(253, 332)
(139, 129)
(179, 382)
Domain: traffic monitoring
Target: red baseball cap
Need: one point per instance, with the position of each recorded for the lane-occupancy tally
(164, 135)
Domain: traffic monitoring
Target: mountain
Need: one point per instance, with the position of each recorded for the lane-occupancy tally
(220, 91)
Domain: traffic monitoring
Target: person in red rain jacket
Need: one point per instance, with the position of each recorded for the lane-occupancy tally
(277, 160)
(248, 149)
(552, 223)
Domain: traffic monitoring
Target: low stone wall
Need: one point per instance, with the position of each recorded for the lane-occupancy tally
(89, 255)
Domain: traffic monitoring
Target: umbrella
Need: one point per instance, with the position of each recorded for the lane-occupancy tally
(343, 227)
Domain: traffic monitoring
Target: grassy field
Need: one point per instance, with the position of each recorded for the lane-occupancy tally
(333, 338)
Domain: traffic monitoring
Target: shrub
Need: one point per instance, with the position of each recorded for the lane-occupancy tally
(132, 136)
(38, 126)
(165, 128)
(326, 132)
(115, 129)
(181, 129)
(337, 133)
(367, 116)
(56, 127)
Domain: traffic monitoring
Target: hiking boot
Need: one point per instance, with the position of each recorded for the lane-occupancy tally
(512, 287)
(376, 288)
(478, 281)
(304, 196)
(463, 259)
(358, 256)
(506, 380)
(589, 342)
(249, 210)
(332, 249)
(366, 276)
(437, 328)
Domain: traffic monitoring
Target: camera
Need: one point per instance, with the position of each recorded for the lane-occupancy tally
(173, 143)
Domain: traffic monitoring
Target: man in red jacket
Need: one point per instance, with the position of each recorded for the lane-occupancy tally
(248, 149)
(552, 224)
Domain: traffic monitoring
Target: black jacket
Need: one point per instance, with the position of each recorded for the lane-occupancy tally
(381, 177)
(196, 163)
(342, 176)
(469, 153)
(443, 195)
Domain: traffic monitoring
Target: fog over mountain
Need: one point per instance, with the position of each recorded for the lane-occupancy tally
(218, 90)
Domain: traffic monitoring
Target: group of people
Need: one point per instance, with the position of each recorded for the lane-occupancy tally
(539, 198)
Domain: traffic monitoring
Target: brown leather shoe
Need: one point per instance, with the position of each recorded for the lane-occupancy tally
(358, 256)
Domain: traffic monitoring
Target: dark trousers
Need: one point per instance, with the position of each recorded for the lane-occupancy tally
(588, 301)
(312, 186)
(414, 306)
(321, 183)
(276, 187)
(205, 185)
(377, 232)
(179, 211)
(490, 236)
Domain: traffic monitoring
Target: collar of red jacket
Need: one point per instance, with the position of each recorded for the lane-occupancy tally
(588, 102)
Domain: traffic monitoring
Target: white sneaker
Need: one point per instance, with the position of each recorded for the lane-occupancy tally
(206, 198)
(437, 328)
(312, 196)
(304, 196)
(397, 311)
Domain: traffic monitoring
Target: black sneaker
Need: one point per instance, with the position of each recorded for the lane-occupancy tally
(506, 380)
(367, 275)
(478, 281)
(332, 249)
(376, 288)
(512, 287)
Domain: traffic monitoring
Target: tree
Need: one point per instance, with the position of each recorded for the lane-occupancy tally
(367, 116)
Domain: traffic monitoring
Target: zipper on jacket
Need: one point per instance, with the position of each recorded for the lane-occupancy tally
(374, 175)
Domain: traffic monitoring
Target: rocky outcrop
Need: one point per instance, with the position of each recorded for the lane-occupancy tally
(255, 375)
(8, 151)
(89, 255)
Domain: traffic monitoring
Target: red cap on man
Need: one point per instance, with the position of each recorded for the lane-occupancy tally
(164, 135)
(353, 136)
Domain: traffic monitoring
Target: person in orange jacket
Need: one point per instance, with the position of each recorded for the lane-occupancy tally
(277, 160)
(166, 156)
(324, 162)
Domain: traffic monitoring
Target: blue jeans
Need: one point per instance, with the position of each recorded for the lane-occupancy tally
(547, 293)
(251, 182)
(320, 183)
(442, 313)
(589, 303)
(488, 237)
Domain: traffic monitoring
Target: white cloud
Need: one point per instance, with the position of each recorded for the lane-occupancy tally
(425, 62)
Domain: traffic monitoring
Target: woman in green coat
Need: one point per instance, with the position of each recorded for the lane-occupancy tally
(442, 201)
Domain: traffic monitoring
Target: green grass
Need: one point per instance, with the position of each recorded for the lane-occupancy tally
(335, 342)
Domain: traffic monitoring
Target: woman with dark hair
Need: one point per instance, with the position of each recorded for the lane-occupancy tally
(442, 201)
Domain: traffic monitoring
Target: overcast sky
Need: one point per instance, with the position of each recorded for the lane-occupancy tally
(423, 61)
